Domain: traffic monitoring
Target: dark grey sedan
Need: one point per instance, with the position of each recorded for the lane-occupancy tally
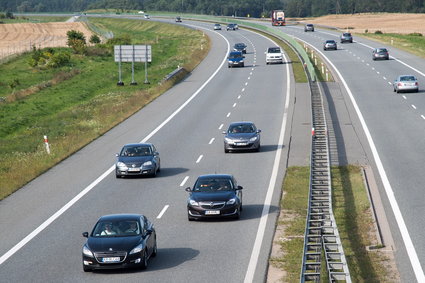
(242, 136)
(329, 44)
(240, 47)
(137, 159)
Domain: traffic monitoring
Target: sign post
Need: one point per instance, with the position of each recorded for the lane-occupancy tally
(133, 53)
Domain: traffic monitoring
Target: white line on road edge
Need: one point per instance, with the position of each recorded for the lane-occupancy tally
(184, 181)
(162, 212)
(58, 213)
(249, 276)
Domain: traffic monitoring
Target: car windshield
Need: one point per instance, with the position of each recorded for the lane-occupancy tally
(142, 150)
(241, 128)
(382, 50)
(235, 55)
(274, 50)
(213, 184)
(408, 78)
(116, 228)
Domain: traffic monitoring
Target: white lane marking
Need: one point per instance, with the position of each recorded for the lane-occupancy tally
(246, 83)
(378, 72)
(249, 276)
(199, 158)
(211, 141)
(373, 68)
(362, 61)
(404, 96)
(184, 181)
(384, 78)
(249, 78)
(367, 64)
(239, 97)
(228, 115)
(413, 106)
(250, 74)
(221, 126)
(410, 248)
(390, 83)
(58, 213)
(423, 117)
(162, 211)
(252, 69)
(234, 105)
(243, 89)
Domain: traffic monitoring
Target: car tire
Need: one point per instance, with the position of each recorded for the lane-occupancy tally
(394, 89)
(190, 218)
(144, 261)
(397, 91)
(258, 148)
(226, 150)
(417, 90)
(87, 269)
(237, 215)
(243, 65)
(155, 250)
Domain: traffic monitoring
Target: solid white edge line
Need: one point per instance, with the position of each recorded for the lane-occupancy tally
(56, 215)
(249, 276)
(184, 181)
(162, 211)
(413, 257)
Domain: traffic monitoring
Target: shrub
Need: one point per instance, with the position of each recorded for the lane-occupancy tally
(75, 35)
(59, 59)
(78, 45)
(94, 39)
(121, 40)
(378, 32)
(415, 34)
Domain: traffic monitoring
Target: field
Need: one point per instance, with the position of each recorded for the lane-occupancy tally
(385, 22)
(20, 37)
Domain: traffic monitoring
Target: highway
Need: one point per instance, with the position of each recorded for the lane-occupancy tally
(391, 127)
(41, 224)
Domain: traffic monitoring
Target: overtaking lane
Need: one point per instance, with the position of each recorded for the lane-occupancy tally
(181, 142)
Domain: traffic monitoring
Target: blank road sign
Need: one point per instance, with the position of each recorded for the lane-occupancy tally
(133, 53)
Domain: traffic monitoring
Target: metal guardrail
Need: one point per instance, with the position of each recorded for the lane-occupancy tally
(321, 236)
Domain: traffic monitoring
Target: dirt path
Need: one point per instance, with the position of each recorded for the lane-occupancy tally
(18, 38)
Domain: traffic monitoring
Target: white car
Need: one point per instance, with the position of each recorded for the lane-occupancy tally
(406, 83)
(274, 55)
(147, 16)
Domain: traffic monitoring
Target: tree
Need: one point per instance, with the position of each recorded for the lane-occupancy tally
(94, 39)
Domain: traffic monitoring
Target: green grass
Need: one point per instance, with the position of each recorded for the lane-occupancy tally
(411, 43)
(352, 213)
(34, 19)
(78, 109)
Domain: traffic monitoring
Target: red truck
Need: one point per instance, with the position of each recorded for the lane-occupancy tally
(278, 18)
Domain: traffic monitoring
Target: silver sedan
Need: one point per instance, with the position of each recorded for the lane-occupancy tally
(241, 136)
(406, 83)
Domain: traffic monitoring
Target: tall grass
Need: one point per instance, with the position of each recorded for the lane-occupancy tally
(76, 110)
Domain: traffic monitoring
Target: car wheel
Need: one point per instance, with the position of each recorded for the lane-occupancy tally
(155, 250)
(397, 91)
(238, 214)
(417, 90)
(243, 65)
(394, 89)
(258, 148)
(117, 176)
(190, 218)
(226, 150)
(86, 268)
(144, 261)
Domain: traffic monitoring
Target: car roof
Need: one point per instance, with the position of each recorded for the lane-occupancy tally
(309, 24)
(330, 40)
(409, 76)
(120, 217)
(137, 144)
(221, 176)
(242, 123)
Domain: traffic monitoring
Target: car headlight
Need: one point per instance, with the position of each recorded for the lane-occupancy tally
(121, 165)
(87, 252)
(253, 138)
(147, 163)
(193, 202)
(231, 201)
(137, 249)
(229, 141)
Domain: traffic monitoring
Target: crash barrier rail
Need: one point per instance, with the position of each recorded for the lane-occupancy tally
(321, 238)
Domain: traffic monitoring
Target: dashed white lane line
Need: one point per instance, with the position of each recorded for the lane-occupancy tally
(234, 105)
(239, 96)
(184, 181)
(249, 78)
(378, 72)
(246, 83)
(423, 117)
(389, 83)
(211, 141)
(228, 115)
(199, 158)
(221, 126)
(413, 106)
(252, 69)
(243, 89)
(404, 96)
(384, 78)
(250, 74)
(367, 64)
(162, 211)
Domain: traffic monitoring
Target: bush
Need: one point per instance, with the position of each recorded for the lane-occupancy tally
(79, 46)
(94, 39)
(415, 34)
(121, 40)
(378, 32)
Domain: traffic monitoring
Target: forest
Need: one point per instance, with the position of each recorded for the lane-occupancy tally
(237, 8)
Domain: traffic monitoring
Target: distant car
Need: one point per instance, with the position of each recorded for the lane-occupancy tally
(329, 44)
(274, 55)
(235, 59)
(380, 53)
(215, 195)
(217, 27)
(231, 27)
(346, 37)
(236, 26)
(146, 16)
(178, 19)
(138, 159)
(241, 136)
(119, 241)
(406, 83)
(240, 47)
(309, 27)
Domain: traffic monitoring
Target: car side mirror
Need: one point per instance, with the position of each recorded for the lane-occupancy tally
(224, 132)
(86, 234)
(239, 188)
(188, 189)
(117, 154)
(149, 232)
(258, 131)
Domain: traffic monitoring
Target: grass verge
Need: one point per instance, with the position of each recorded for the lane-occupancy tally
(352, 213)
(75, 111)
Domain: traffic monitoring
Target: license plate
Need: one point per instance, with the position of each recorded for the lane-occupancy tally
(133, 169)
(241, 143)
(111, 259)
(212, 212)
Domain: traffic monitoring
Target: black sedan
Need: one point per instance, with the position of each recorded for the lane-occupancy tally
(240, 47)
(119, 241)
(242, 136)
(215, 195)
(137, 159)
(231, 27)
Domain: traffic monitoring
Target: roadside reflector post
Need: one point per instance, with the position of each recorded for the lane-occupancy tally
(315, 60)
(46, 143)
(312, 53)
(313, 133)
(323, 68)
(327, 75)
